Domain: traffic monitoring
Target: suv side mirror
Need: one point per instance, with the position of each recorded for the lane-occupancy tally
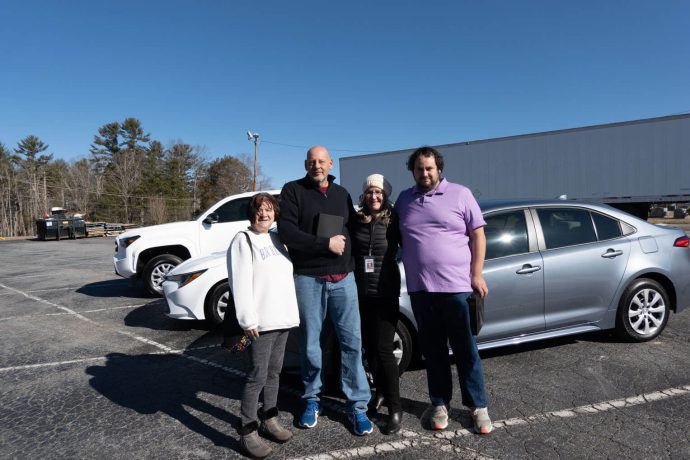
(212, 218)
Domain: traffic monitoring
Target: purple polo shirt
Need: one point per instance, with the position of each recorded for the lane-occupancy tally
(435, 242)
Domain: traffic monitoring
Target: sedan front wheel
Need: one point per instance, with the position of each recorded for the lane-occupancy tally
(643, 311)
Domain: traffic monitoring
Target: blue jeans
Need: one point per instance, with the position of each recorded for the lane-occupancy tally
(443, 318)
(317, 298)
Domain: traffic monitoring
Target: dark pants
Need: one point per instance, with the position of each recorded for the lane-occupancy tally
(379, 318)
(443, 318)
(265, 362)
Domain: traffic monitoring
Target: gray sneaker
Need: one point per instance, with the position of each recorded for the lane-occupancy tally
(438, 417)
(482, 422)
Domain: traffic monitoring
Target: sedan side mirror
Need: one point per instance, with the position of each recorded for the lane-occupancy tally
(212, 218)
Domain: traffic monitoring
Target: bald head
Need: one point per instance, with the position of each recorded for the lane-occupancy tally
(318, 165)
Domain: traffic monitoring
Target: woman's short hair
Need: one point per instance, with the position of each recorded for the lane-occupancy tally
(257, 200)
(425, 152)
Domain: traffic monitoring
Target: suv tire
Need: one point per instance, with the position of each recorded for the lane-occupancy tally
(155, 270)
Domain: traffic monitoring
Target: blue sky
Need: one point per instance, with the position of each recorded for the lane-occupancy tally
(356, 76)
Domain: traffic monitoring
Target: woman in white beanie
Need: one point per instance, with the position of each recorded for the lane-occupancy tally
(375, 244)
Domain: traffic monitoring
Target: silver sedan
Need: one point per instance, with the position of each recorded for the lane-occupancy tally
(557, 268)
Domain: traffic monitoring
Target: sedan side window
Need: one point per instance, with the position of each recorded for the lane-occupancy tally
(566, 227)
(233, 211)
(607, 228)
(506, 234)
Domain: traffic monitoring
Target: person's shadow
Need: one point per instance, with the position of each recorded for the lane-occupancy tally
(152, 383)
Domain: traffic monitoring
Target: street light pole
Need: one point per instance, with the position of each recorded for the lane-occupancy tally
(255, 137)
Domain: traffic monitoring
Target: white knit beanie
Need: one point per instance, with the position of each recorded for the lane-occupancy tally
(377, 180)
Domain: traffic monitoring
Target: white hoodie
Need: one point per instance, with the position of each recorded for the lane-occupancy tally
(261, 282)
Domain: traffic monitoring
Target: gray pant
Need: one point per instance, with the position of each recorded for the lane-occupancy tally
(265, 362)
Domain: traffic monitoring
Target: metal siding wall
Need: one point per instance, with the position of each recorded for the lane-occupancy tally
(637, 159)
(353, 171)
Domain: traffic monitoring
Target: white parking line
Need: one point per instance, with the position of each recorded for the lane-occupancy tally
(124, 307)
(67, 288)
(98, 358)
(411, 439)
(28, 275)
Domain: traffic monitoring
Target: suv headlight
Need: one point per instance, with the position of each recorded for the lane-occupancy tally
(125, 242)
(184, 279)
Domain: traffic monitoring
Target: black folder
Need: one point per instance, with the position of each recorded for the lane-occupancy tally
(329, 225)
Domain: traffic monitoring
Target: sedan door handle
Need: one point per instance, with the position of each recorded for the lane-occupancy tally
(527, 269)
(610, 254)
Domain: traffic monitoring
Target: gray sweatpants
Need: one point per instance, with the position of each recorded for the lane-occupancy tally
(265, 362)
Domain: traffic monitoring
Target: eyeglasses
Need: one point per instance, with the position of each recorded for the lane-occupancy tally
(374, 193)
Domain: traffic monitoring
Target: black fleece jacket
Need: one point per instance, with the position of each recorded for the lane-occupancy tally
(301, 202)
(379, 241)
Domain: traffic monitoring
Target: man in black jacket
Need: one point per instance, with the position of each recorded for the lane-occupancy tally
(324, 283)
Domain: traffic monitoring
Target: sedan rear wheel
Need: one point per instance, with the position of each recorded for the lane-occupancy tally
(402, 346)
(643, 311)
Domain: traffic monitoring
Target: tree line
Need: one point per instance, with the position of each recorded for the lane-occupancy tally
(127, 177)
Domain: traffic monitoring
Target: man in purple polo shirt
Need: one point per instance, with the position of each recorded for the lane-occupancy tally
(443, 248)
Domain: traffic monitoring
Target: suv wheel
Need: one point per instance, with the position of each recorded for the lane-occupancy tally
(155, 271)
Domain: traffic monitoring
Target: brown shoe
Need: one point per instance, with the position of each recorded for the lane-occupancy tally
(251, 443)
(273, 430)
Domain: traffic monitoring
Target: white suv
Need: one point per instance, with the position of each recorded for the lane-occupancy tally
(151, 252)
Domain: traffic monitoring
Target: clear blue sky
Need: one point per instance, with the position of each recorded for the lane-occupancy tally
(355, 76)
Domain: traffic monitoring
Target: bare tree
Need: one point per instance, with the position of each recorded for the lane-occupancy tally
(33, 168)
(83, 185)
(156, 210)
(123, 178)
(9, 200)
(262, 182)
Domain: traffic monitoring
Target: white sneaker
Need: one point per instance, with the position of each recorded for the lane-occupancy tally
(438, 417)
(482, 422)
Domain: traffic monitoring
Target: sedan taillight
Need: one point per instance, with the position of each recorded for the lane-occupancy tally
(682, 242)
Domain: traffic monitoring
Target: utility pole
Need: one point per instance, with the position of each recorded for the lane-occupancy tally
(255, 137)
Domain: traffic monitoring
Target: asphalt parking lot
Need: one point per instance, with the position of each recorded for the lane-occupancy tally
(92, 368)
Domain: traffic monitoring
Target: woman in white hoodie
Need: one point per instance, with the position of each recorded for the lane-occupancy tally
(260, 278)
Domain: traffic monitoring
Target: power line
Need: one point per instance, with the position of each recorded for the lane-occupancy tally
(89, 192)
(306, 147)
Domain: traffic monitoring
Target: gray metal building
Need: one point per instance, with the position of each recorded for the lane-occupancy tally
(629, 164)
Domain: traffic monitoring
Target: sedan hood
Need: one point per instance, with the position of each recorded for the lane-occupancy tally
(200, 263)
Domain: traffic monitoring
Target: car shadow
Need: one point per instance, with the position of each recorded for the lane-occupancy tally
(118, 287)
(595, 336)
(152, 316)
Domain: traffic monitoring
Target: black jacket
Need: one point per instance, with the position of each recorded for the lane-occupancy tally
(301, 202)
(381, 242)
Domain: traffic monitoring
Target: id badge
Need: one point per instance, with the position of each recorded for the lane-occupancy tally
(368, 265)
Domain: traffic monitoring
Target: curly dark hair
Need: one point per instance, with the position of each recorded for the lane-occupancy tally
(425, 152)
(257, 200)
